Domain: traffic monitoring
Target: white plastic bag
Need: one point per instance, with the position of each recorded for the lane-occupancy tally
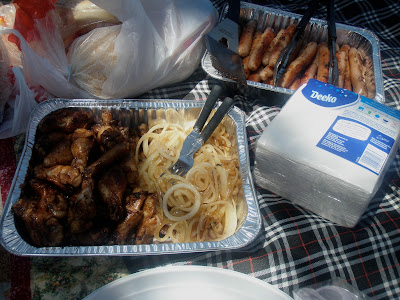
(38, 22)
(41, 55)
(23, 105)
(78, 17)
(160, 42)
(17, 116)
(5, 84)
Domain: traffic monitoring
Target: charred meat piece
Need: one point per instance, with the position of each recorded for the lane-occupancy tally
(111, 187)
(66, 120)
(66, 178)
(51, 200)
(128, 165)
(150, 221)
(82, 143)
(82, 205)
(40, 215)
(116, 153)
(108, 133)
(47, 141)
(60, 154)
(134, 215)
(82, 208)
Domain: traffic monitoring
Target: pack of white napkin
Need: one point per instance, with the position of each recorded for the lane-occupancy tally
(328, 150)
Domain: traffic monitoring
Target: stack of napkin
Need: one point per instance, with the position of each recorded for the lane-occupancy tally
(328, 150)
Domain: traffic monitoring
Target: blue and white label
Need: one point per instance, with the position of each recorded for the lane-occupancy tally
(327, 95)
(358, 143)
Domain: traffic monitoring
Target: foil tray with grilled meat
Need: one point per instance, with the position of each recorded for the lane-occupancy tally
(49, 210)
(365, 41)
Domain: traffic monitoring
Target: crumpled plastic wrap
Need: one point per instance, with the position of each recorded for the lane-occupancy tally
(159, 43)
(78, 17)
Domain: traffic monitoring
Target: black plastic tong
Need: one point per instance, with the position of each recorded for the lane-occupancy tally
(198, 136)
(286, 56)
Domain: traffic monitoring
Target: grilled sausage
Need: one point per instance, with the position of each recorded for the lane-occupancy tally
(356, 74)
(311, 70)
(296, 66)
(272, 45)
(369, 77)
(255, 76)
(267, 73)
(245, 63)
(347, 81)
(282, 43)
(341, 59)
(257, 35)
(246, 38)
(295, 84)
(323, 63)
(257, 52)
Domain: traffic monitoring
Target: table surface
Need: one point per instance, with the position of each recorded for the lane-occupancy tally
(295, 248)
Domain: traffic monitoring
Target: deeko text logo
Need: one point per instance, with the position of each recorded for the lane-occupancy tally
(327, 95)
(322, 97)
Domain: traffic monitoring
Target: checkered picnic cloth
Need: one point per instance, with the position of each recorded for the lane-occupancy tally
(297, 248)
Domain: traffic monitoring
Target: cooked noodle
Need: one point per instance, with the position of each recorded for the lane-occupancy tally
(202, 206)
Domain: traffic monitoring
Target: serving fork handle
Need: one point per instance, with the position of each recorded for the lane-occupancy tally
(284, 58)
(333, 64)
(233, 11)
(207, 108)
(216, 119)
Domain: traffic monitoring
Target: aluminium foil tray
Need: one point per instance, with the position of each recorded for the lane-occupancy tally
(132, 113)
(363, 39)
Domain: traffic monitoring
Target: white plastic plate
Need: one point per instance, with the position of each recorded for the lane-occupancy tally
(188, 282)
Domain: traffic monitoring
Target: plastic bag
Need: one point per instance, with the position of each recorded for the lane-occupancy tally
(23, 105)
(17, 117)
(33, 39)
(38, 22)
(88, 72)
(43, 62)
(6, 85)
(334, 289)
(78, 17)
(39, 81)
(159, 43)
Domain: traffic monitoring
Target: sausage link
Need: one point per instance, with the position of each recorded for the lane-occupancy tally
(356, 74)
(323, 63)
(245, 63)
(272, 45)
(311, 70)
(255, 76)
(341, 59)
(295, 84)
(282, 43)
(347, 81)
(257, 52)
(296, 66)
(246, 38)
(256, 37)
(267, 73)
(369, 77)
